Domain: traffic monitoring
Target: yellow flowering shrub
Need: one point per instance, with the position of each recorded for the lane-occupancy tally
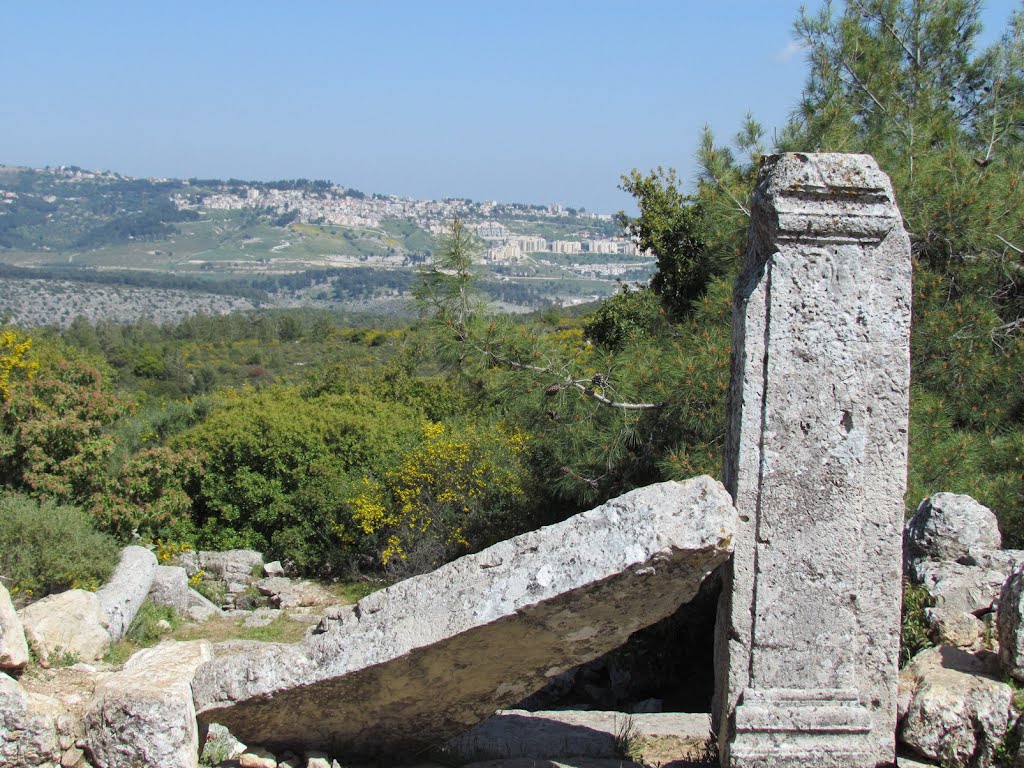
(167, 550)
(461, 488)
(14, 360)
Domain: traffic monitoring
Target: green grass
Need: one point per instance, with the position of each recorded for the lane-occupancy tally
(354, 591)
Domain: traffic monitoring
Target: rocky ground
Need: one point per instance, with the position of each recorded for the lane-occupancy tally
(958, 699)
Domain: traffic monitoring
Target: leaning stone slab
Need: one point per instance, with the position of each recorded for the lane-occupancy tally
(13, 648)
(144, 715)
(28, 727)
(70, 621)
(122, 596)
(417, 663)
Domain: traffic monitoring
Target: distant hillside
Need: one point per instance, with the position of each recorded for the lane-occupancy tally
(291, 242)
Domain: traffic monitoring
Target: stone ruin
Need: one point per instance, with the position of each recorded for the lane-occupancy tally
(427, 658)
(808, 631)
(816, 461)
(809, 546)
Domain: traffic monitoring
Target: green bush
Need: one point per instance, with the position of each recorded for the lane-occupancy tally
(45, 547)
(276, 469)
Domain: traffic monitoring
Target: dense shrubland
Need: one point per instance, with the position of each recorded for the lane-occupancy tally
(346, 448)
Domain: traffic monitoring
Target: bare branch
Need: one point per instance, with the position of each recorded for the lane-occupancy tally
(1008, 244)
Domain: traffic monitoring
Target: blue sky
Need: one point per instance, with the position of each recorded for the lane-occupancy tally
(529, 101)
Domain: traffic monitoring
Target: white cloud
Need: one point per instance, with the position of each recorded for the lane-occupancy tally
(789, 51)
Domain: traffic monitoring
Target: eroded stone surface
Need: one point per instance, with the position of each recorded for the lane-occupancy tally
(28, 727)
(199, 608)
(70, 621)
(122, 596)
(13, 648)
(953, 709)
(423, 660)
(958, 628)
(808, 632)
(961, 588)
(285, 593)
(144, 715)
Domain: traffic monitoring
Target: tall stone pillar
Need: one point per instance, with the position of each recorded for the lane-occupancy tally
(816, 460)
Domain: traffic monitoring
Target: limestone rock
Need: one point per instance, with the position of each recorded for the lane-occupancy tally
(958, 628)
(956, 711)
(962, 588)
(73, 758)
(948, 526)
(144, 715)
(28, 727)
(273, 569)
(289, 593)
(121, 597)
(257, 757)
(426, 658)
(234, 567)
(220, 745)
(71, 621)
(1010, 624)
(1002, 560)
(13, 648)
(261, 617)
(170, 587)
(199, 608)
(189, 561)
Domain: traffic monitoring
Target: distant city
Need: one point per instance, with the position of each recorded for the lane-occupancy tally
(343, 207)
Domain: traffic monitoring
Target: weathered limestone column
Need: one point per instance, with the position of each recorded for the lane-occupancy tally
(816, 459)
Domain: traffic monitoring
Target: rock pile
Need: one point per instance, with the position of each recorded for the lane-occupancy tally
(954, 706)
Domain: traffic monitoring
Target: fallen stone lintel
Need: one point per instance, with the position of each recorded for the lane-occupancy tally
(420, 662)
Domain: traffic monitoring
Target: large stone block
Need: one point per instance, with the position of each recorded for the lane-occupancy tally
(13, 648)
(816, 450)
(71, 621)
(953, 710)
(144, 715)
(421, 661)
(122, 596)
